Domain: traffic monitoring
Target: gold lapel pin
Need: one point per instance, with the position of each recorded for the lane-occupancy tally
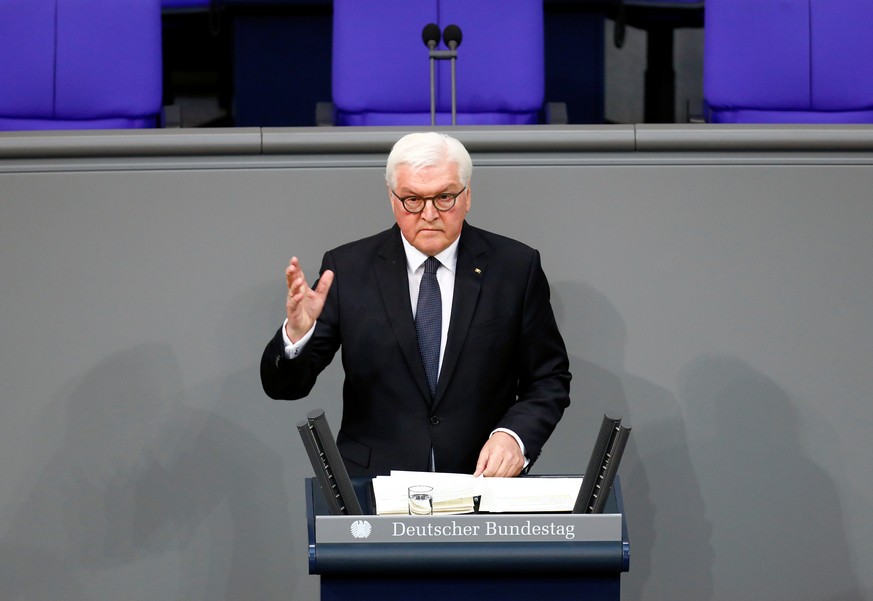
(478, 271)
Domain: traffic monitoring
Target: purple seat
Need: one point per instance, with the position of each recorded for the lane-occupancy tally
(80, 64)
(185, 3)
(792, 61)
(381, 71)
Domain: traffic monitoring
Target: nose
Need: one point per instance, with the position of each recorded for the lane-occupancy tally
(429, 212)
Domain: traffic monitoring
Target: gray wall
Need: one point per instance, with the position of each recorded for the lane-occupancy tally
(714, 287)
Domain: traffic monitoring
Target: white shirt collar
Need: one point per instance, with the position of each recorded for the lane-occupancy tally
(415, 258)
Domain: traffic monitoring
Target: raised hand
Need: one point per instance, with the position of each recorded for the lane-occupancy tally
(303, 305)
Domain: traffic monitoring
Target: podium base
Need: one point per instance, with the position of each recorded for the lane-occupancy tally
(473, 589)
(526, 570)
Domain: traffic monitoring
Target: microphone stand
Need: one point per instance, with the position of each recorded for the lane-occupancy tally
(454, 89)
(430, 35)
(442, 55)
(452, 37)
(432, 89)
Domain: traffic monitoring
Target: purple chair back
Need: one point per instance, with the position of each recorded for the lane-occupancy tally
(80, 64)
(186, 4)
(381, 68)
(788, 61)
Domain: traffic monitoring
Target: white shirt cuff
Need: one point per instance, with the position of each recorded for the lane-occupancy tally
(292, 349)
(518, 440)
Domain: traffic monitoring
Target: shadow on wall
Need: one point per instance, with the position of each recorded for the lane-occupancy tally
(670, 548)
(189, 500)
(777, 520)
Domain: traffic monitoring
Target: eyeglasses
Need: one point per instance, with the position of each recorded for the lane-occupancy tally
(441, 202)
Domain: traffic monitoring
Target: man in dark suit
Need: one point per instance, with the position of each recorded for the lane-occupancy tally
(483, 383)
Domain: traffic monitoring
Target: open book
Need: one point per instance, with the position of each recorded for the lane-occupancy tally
(454, 493)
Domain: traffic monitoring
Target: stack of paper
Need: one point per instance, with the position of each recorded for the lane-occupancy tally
(452, 493)
(526, 495)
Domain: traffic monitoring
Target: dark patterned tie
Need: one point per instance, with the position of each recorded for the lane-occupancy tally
(428, 321)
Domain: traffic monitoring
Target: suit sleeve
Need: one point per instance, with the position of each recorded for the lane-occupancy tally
(543, 389)
(292, 379)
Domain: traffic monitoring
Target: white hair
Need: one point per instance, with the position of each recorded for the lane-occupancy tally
(426, 149)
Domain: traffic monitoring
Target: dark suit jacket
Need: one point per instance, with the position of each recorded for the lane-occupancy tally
(505, 363)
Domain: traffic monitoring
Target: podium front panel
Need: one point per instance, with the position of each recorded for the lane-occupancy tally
(468, 556)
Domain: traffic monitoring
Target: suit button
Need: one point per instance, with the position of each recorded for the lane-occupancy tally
(434, 419)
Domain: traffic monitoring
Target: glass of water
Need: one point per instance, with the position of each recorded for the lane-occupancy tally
(420, 500)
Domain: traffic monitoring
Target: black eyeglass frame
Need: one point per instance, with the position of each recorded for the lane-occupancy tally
(443, 196)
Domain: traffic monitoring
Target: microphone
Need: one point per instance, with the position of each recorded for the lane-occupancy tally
(430, 35)
(452, 38)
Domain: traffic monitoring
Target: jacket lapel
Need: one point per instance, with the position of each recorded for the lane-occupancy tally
(393, 282)
(469, 271)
